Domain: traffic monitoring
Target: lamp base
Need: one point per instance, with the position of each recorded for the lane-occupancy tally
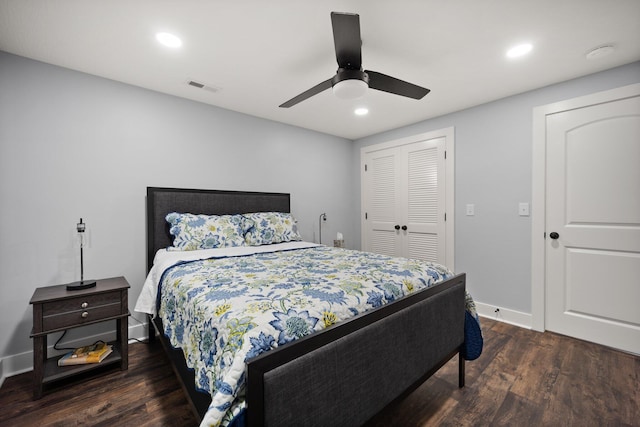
(83, 284)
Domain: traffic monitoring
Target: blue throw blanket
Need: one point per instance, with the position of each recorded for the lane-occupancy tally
(473, 341)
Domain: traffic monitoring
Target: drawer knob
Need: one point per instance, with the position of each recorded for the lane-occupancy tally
(85, 305)
(85, 314)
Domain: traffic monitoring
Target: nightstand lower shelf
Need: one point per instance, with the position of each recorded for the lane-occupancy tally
(53, 372)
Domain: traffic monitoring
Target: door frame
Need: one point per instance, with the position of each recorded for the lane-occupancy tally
(538, 177)
(449, 145)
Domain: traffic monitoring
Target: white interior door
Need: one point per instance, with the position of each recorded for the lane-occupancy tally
(593, 207)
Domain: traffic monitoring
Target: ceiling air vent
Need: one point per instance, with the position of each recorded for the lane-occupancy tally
(196, 84)
(204, 86)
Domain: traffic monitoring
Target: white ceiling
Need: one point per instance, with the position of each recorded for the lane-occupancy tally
(260, 53)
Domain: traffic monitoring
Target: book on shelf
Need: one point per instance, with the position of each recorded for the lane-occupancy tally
(94, 353)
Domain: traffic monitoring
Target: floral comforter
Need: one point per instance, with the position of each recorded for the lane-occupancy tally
(224, 311)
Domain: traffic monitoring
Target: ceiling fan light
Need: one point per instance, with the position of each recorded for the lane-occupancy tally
(350, 89)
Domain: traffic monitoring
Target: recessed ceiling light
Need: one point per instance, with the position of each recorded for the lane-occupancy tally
(519, 50)
(361, 111)
(169, 40)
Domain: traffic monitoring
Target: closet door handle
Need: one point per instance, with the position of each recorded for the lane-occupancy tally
(397, 227)
(404, 227)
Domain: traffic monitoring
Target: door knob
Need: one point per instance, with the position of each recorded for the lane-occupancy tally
(397, 227)
(404, 227)
(554, 235)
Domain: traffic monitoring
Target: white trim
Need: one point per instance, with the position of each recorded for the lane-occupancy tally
(538, 193)
(512, 317)
(450, 177)
(449, 137)
(538, 223)
(23, 362)
(138, 332)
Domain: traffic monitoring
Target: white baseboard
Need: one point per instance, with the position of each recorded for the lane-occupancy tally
(23, 362)
(138, 332)
(501, 314)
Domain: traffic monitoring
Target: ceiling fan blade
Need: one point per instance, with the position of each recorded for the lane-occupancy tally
(346, 37)
(390, 84)
(307, 94)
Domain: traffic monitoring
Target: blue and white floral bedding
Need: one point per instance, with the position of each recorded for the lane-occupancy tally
(234, 305)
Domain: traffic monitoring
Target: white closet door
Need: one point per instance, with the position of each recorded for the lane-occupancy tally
(404, 200)
(424, 193)
(383, 194)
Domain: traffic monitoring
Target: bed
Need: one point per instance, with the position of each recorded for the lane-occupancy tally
(341, 375)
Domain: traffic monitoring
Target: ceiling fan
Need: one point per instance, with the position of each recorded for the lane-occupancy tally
(350, 80)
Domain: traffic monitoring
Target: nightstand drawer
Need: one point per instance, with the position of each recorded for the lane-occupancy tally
(78, 317)
(80, 303)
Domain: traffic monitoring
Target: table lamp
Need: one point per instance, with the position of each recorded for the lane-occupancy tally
(82, 284)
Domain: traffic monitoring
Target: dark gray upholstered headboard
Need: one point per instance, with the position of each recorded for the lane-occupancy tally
(161, 201)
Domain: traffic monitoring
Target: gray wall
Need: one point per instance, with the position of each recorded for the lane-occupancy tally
(74, 145)
(493, 144)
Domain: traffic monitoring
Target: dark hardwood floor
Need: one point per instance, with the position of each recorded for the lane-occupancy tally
(523, 378)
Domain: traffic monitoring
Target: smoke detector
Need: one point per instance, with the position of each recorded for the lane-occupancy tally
(600, 52)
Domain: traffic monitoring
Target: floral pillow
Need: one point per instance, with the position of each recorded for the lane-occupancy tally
(271, 227)
(192, 232)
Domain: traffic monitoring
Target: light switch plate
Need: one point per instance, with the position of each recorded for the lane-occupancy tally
(523, 209)
(471, 209)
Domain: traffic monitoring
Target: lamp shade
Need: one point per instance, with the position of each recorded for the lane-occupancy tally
(350, 88)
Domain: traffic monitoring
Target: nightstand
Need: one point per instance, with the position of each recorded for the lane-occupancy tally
(57, 309)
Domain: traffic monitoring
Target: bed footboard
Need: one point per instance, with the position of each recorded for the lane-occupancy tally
(346, 374)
